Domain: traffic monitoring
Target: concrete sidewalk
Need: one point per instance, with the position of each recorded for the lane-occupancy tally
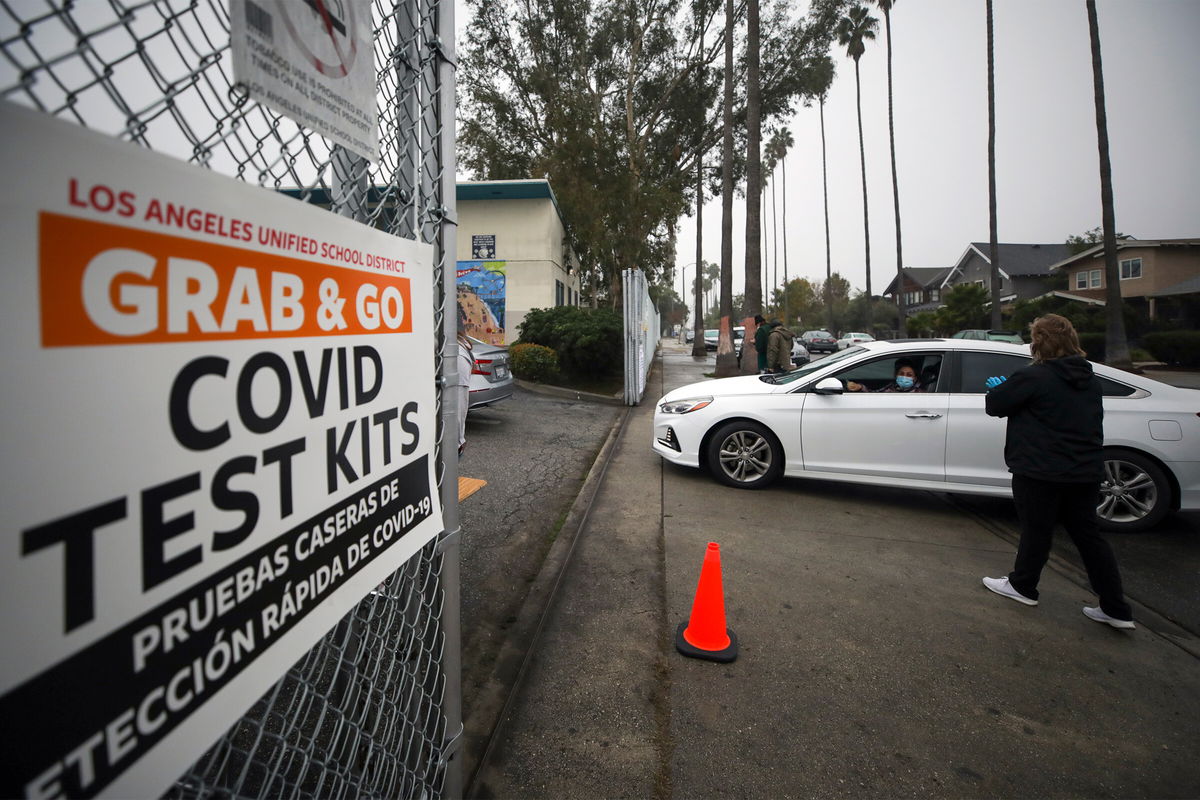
(873, 663)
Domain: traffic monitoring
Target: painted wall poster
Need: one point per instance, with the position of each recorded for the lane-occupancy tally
(482, 292)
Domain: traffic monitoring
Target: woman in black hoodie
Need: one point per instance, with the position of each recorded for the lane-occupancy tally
(1055, 451)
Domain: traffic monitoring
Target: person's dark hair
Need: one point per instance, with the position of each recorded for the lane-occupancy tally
(1053, 337)
(758, 319)
(905, 362)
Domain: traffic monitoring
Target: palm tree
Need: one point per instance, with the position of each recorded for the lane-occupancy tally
(993, 240)
(726, 357)
(698, 349)
(785, 143)
(1115, 344)
(853, 30)
(772, 154)
(825, 65)
(886, 7)
(753, 301)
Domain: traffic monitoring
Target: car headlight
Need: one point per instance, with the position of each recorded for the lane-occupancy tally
(685, 406)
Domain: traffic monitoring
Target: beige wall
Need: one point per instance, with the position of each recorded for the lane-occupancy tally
(529, 238)
(1162, 267)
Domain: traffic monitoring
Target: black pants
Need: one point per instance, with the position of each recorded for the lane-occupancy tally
(1041, 504)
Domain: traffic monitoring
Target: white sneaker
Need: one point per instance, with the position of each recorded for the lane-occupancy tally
(1098, 615)
(1002, 587)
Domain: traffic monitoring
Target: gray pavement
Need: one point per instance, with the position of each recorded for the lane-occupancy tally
(873, 663)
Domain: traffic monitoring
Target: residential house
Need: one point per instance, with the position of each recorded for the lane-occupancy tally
(1161, 275)
(922, 288)
(1024, 268)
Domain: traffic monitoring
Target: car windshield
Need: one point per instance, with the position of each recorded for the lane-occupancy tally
(712, 333)
(809, 369)
(820, 334)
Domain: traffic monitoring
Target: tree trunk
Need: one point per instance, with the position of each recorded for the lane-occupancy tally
(825, 195)
(1116, 346)
(726, 358)
(753, 295)
(698, 350)
(993, 240)
(901, 310)
(783, 190)
(862, 158)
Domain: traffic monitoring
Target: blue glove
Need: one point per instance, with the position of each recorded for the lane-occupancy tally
(992, 383)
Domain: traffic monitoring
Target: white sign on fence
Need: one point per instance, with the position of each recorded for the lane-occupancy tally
(218, 427)
(312, 61)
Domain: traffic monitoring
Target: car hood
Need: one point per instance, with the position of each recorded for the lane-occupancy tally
(721, 387)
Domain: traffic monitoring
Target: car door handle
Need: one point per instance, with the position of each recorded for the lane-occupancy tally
(922, 415)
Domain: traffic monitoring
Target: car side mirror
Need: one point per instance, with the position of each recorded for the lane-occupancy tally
(828, 386)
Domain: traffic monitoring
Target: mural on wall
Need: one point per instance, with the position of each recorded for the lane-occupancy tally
(481, 296)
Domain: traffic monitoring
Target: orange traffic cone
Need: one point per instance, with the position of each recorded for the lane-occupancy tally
(705, 635)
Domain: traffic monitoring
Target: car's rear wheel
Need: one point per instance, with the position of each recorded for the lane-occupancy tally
(744, 454)
(1135, 494)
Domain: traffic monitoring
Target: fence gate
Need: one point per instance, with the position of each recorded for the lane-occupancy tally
(373, 709)
(642, 330)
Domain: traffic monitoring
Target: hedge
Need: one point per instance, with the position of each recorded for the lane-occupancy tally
(1177, 348)
(533, 362)
(587, 340)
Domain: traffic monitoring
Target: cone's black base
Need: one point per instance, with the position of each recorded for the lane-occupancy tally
(691, 651)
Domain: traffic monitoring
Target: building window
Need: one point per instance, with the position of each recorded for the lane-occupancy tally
(1081, 279)
(1095, 278)
(935, 295)
(1131, 268)
(558, 293)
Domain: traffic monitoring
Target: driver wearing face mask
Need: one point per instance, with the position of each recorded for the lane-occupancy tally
(904, 381)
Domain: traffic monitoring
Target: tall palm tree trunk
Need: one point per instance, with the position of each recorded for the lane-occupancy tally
(698, 350)
(901, 310)
(775, 238)
(993, 239)
(1115, 344)
(862, 158)
(726, 359)
(787, 320)
(825, 196)
(753, 291)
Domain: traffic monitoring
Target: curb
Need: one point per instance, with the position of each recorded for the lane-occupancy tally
(569, 394)
(480, 734)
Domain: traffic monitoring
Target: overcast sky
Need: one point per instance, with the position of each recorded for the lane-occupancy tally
(1046, 159)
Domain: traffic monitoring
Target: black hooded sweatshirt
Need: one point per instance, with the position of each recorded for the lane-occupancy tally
(1055, 421)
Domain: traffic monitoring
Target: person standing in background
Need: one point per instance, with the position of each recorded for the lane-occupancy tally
(762, 332)
(466, 365)
(1054, 449)
(779, 348)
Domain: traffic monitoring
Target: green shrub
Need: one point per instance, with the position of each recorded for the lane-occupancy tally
(587, 340)
(1178, 348)
(533, 362)
(1093, 345)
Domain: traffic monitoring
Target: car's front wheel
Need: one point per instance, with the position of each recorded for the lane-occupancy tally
(744, 454)
(1135, 494)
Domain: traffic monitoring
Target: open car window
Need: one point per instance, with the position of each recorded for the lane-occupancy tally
(879, 373)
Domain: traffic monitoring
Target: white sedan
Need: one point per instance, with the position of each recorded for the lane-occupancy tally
(853, 338)
(747, 431)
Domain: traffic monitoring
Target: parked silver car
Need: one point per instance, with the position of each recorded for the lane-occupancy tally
(491, 380)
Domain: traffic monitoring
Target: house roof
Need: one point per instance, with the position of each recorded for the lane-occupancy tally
(533, 189)
(1190, 286)
(925, 276)
(1097, 251)
(1015, 259)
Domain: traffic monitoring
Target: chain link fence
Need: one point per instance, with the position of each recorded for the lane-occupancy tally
(372, 710)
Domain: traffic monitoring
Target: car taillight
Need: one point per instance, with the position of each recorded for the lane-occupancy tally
(483, 366)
